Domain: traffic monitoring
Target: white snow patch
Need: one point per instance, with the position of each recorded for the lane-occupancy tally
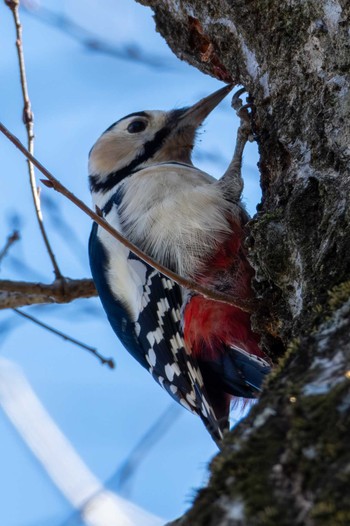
(252, 64)
(253, 67)
(251, 61)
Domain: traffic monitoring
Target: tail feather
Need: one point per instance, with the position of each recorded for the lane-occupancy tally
(251, 368)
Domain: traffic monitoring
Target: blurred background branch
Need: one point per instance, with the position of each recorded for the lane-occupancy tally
(40, 433)
(28, 119)
(12, 238)
(130, 51)
(92, 350)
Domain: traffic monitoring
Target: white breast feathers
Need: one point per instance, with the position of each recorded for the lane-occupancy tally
(176, 214)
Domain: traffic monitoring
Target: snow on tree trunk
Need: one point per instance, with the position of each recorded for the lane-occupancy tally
(288, 463)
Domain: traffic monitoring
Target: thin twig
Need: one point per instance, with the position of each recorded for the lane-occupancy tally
(123, 475)
(15, 294)
(10, 241)
(243, 304)
(92, 350)
(28, 120)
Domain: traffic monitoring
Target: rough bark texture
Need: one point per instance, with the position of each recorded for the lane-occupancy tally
(288, 463)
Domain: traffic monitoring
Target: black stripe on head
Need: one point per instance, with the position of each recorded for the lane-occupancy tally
(150, 148)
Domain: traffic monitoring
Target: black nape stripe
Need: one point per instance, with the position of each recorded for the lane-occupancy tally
(116, 199)
(150, 148)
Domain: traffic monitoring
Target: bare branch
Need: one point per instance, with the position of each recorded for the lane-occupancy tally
(129, 51)
(28, 119)
(10, 241)
(87, 495)
(243, 304)
(52, 182)
(15, 294)
(92, 350)
(121, 479)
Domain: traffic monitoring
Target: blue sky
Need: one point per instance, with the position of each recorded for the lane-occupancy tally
(75, 95)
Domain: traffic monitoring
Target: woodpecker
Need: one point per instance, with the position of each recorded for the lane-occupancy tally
(143, 182)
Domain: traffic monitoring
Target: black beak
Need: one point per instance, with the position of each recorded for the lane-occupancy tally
(195, 115)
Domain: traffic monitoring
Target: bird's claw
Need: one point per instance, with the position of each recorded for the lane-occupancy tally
(237, 102)
(245, 112)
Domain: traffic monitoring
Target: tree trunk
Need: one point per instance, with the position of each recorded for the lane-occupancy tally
(288, 462)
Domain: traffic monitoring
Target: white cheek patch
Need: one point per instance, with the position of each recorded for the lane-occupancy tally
(117, 148)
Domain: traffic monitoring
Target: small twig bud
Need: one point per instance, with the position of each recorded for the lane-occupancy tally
(110, 363)
(12, 4)
(28, 116)
(47, 183)
(14, 236)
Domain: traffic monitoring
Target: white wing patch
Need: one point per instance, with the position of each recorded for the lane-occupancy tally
(126, 278)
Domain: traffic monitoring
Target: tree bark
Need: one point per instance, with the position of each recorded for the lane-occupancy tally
(288, 462)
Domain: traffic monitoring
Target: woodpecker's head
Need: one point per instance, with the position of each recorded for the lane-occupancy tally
(147, 137)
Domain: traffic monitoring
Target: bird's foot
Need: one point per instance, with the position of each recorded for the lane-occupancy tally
(245, 113)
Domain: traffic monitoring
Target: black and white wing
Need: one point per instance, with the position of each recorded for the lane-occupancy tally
(144, 310)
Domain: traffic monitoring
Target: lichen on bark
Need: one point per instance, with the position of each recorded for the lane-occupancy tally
(288, 462)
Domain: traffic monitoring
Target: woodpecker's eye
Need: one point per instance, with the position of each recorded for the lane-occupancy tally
(137, 126)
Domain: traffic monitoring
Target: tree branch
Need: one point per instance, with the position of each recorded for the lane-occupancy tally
(28, 119)
(92, 350)
(15, 294)
(10, 241)
(130, 51)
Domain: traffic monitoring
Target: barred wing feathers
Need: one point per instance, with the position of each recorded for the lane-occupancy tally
(154, 335)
